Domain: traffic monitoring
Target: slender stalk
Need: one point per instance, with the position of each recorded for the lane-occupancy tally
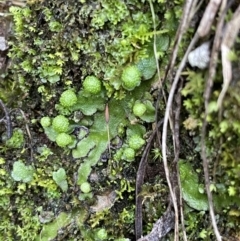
(107, 118)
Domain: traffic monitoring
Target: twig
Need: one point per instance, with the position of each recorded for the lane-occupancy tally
(28, 132)
(8, 119)
(178, 101)
(232, 29)
(187, 13)
(107, 118)
(177, 110)
(202, 31)
(139, 183)
(184, 23)
(154, 40)
(155, 50)
(207, 94)
(208, 18)
(166, 118)
(161, 227)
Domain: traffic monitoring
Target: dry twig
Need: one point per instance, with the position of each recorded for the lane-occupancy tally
(202, 31)
(7, 122)
(164, 133)
(161, 227)
(231, 31)
(139, 183)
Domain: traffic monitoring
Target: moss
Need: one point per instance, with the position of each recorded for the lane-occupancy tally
(59, 45)
(50, 230)
(136, 142)
(17, 139)
(129, 154)
(101, 234)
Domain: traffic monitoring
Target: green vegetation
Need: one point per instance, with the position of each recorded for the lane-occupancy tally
(75, 65)
(129, 154)
(68, 98)
(87, 77)
(60, 123)
(131, 77)
(136, 142)
(191, 189)
(45, 121)
(63, 139)
(60, 178)
(101, 234)
(139, 109)
(85, 187)
(21, 172)
(92, 85)
(50, 230)
(17, 139)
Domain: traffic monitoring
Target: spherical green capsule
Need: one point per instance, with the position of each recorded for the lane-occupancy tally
(101, 234)
(136, 142)
(139, 109)
(131, 77)
(118, 155)
(63, 139)
(68, 98)
(85, 187)
(45, 121)
(60, 124)
(92, 85)
(129, 154)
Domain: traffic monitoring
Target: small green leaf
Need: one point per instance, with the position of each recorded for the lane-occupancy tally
(51, 133)
(212, 187)
(162, 43)
(190, 185)
(212, 107)
(232, 191)
(21, 172)
(147, 67)
(60, 178)
(87, 105)
(83, 148)
(83, 172)
(203, 234)
(224, 126)
(53, 79)
(149, 115)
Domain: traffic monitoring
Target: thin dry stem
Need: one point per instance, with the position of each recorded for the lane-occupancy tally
(207, 94)
(232, 29)
(182, 28)
(8, 121)
(165, 124)
(107, 118)
(28, 132)
(140, 181)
